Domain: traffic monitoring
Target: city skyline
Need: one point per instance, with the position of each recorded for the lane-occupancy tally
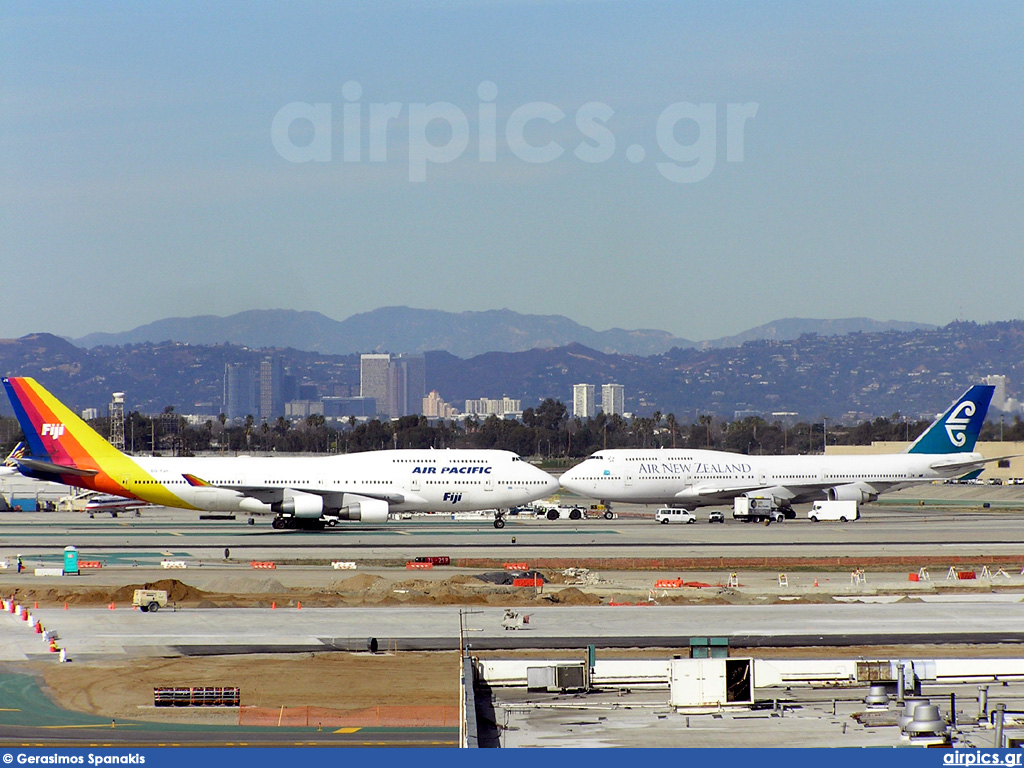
(846, 160)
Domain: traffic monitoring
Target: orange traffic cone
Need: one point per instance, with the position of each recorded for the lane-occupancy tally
(111, 607)
(273, 605)
(299, 606)
(65, 606)
(815, 582)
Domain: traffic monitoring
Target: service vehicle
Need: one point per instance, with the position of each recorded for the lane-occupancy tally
(557, 510)
(672, 515)
(560, 512)
(716, 516)
(842, 511)
(150, 600)
(755, 509)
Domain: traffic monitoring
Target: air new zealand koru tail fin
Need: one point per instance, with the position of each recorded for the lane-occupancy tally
(956, 431)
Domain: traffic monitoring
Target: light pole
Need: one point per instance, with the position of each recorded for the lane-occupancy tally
(824, 435)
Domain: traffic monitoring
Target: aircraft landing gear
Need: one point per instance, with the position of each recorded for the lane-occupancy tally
(499, 519)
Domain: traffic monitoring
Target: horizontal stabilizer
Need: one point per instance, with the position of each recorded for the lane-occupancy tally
(37, 465)
(978, 464)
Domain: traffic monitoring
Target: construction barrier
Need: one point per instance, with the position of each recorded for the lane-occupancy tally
(517, 566)
(90, 564)
(414, 566)
(196, 697)
(263, 565)
(398, 716)
(966, 575)
(913, 577)
(532, 581)
(173, 564)
(668, 584)
(343, 565)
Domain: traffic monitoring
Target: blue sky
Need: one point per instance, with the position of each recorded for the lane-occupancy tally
(877, 171)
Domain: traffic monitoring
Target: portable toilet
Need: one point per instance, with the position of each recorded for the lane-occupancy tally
(71, 561)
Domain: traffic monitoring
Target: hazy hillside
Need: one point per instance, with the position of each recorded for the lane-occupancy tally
(868, 374)
(464, 334)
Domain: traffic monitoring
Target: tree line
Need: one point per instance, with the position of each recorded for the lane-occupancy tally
(547, 432)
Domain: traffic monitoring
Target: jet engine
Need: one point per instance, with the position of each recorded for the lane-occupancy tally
(364, 509)
(859, 492)
(304, 505)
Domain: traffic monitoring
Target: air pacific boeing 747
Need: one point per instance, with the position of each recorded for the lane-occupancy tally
(301, 492)
(695, 478)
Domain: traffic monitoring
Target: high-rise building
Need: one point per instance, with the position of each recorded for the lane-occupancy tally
(487, 407)
(373, 378)
(407, 384)
(272, 388)
(397, 382)
(239, 391)
(613, 399)
(434, 407)
(999, 396)
(583, 405)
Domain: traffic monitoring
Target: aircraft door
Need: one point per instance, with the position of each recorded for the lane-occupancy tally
(488, 483)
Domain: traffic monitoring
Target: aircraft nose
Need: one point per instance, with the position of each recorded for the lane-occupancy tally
(568, 479)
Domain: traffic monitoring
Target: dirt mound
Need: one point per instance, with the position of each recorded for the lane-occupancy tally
(364, 582)
(245, 585)
(463, 578)
(573, 596)
(177, 592)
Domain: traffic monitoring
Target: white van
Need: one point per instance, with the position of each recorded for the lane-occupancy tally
(843, 511)
(670, 515)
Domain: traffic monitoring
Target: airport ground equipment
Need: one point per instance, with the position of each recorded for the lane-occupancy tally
(841, 511)
(674, 515)
(514, 619)
(756, 509)
(560, 512)
(149, 600)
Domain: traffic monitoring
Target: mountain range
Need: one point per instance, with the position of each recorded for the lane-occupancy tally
(852, 376)
(463, 334)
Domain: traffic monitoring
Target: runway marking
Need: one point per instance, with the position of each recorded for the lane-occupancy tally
(348, 730)
(5, 709)
(94, 725)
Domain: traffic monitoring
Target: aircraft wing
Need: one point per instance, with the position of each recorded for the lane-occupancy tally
(710, 491)
(272, 494)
